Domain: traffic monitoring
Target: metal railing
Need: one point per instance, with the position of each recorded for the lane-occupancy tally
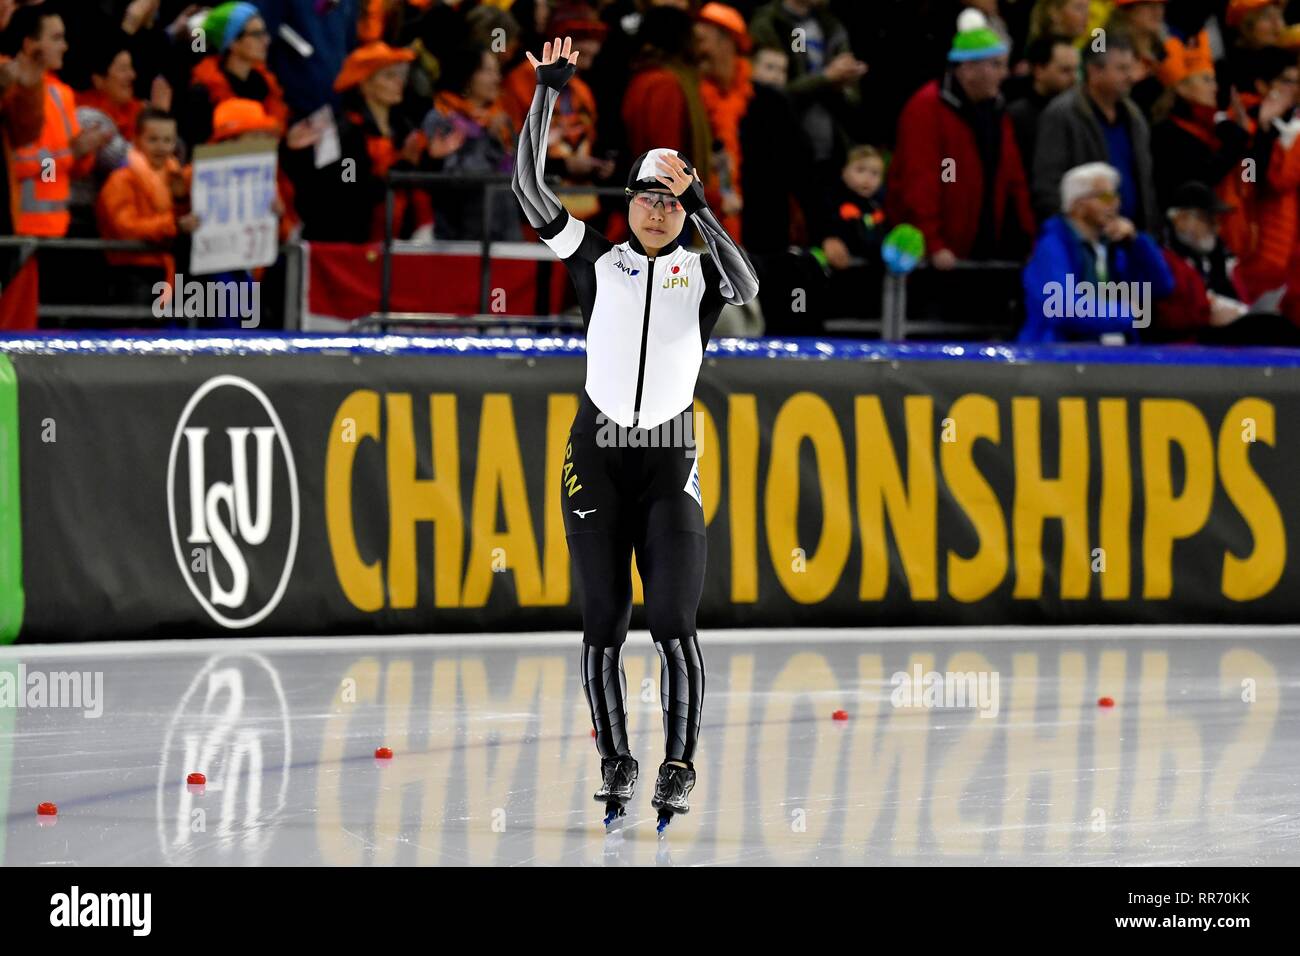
(490, 185)
(109, 312)
(28, 245)
(893, 325)
(898, 327)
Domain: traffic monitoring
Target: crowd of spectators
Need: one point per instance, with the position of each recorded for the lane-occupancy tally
(1046, 146)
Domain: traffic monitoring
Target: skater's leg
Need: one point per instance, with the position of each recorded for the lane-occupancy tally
(602, 569)
(671, 563)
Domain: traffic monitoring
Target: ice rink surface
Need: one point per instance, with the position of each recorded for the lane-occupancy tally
(1002, 755)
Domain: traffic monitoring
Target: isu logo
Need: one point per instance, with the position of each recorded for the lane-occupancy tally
(233, 724)
(232, 501)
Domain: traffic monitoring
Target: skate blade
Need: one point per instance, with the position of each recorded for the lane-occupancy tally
(613, 812)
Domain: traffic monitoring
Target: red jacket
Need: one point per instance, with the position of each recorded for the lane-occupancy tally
(1186, 310)
(947, 209)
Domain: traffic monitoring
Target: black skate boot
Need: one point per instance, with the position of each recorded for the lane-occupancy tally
(619, 781)
(671, 792)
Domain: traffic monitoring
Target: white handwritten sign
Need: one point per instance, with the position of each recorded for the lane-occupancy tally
(233, 193)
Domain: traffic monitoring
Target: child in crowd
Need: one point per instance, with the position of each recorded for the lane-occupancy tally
(138, 201)
(850, 253)
(857, 214)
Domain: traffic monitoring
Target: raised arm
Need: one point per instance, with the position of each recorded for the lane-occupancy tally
(541, 207)
(737, 280)
(568, 238)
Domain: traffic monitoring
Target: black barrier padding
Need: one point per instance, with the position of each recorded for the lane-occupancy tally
(100, 560)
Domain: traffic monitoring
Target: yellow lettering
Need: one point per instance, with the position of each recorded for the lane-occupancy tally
(412, 500)
(1169, 517)
(499, 480)
(1258, 573)
(560, 410)
(807, 415)
(362, 581)
(911, 508)
(1116, 498)
(1038, 498)
(974, 578)
(742, 496)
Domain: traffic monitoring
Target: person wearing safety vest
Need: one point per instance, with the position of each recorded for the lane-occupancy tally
(22, 109)
(41, 173)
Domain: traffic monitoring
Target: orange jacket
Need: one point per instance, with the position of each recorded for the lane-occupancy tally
(208, 74)
(374, 16)
(384, 154)
(573, 125)
(517, 92)
(41, 174)
(370, 25)
(1264, 228)
(656, 112)
(726, 108)
(136, 203)
(662, 107)
(575, 111)
(123, 115)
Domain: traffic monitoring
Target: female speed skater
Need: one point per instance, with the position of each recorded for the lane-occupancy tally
(648, 308)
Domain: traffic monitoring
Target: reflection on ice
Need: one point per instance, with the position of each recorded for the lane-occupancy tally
(227, 733)
(494, 764)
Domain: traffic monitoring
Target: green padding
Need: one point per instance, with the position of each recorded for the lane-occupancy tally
(11, 523)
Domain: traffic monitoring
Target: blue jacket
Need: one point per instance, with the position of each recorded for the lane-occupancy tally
(1063, 269)
(332, 32)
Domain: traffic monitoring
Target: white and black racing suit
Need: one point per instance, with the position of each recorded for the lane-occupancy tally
(631, 481)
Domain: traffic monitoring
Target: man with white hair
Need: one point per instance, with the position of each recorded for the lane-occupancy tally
(1093, 276)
